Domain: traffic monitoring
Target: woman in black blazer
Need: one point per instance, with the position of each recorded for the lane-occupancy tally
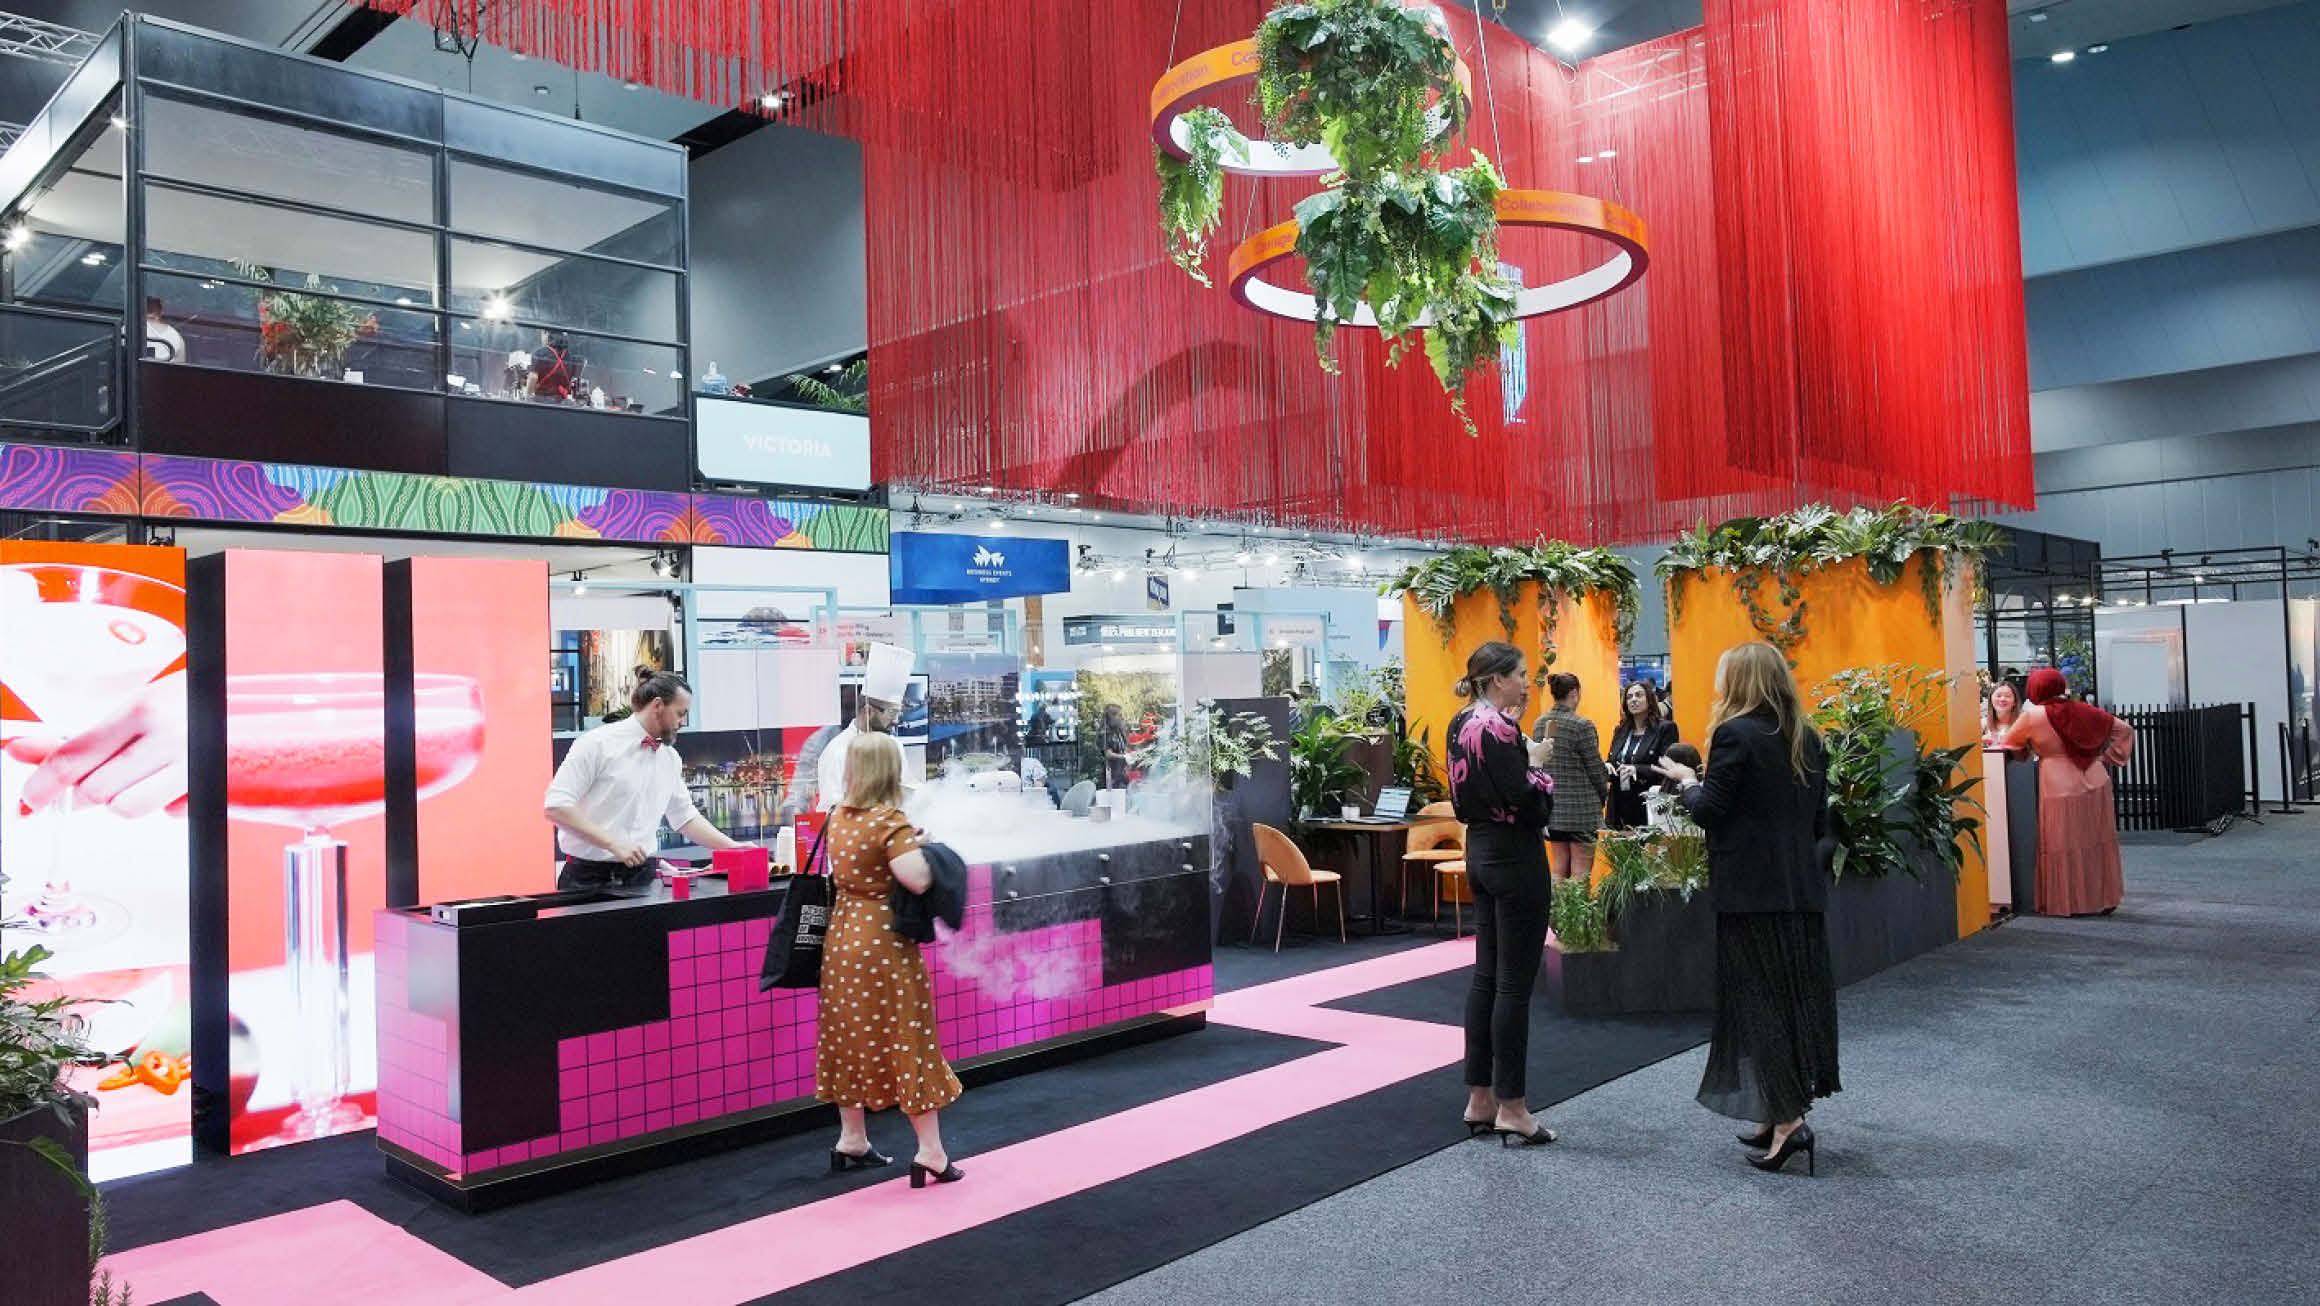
(1764, 805)
(1640, 740)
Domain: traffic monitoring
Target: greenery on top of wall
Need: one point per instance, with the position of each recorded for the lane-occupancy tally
(1556, 566)
(1793, 545)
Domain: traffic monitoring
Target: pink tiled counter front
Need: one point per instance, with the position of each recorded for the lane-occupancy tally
(724, 1051)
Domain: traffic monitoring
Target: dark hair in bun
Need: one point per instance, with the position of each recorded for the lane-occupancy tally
(1562, 685)
(1492, 660)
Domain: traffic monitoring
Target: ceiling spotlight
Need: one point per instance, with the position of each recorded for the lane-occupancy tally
(402, 301)
(498, 309)
(773, 100)
(2063, 56)
(835, 368)
(518, 55)
(93, 258)
(2098, 49)
(629, 86)
(1586, 158)
(540, 90)
(1606, 154)
(117, 122)
(1570, 35)
(18, 236)
(579, 583)
(2038, 17)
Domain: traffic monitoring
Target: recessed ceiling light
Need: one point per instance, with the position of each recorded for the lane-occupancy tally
(2098, 49)
(2063, 56)
(1586, 158)
(539, 90)
(402, 301)
(1606, 154)
(2038, 17)
(1570, 35)
(92, 258)
(630, 86)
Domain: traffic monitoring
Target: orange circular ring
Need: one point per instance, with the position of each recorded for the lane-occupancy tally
(1551, 210)
(1223, 66)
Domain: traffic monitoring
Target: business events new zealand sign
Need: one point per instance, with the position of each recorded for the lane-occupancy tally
(743, 442)
(928, 568)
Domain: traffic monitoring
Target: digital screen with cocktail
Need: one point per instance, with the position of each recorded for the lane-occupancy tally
(92, 835)
(307, 752)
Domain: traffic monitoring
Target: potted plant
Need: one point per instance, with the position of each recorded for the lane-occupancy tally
(307, 334)
(1322, 773)
(1214, 745)
(45, 1195)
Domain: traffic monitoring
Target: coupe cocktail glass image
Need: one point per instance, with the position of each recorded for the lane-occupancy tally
(78, 643)
(308, 752)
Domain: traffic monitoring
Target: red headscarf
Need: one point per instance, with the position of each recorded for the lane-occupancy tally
(2085, 729)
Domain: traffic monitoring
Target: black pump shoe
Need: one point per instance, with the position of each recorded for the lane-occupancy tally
(1539, 1137)
(1799, 1140)
(842, 1162)
(949, 1174)
(1762, 1138)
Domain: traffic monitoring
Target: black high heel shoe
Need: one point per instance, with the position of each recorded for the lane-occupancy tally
(1539, 1137)
(1799, 1140)
(949, 1174)
(842, 1162)
(1478, 1128)
(1762, 1138)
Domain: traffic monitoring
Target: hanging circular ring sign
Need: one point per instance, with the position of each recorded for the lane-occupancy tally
(1549, 210)
(1229, 65)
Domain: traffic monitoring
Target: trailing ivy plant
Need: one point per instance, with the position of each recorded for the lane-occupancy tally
(1887, 811)
(1192, 190)
(1558, 567)
(1376, 83)
(1786, 548)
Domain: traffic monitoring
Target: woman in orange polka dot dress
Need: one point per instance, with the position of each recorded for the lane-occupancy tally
(877, 1044)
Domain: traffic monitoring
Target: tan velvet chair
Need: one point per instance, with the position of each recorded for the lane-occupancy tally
(1431, 843)
(1286, 866)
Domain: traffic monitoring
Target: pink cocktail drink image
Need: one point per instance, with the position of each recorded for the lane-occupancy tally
(78, 643)
(308, 751)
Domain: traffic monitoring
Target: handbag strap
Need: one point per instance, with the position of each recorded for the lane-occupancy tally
(814, 858)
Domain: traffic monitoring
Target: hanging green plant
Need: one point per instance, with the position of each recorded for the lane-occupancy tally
(1192, 190)
(1788, 547)
(1557, 566)
(1373, 81)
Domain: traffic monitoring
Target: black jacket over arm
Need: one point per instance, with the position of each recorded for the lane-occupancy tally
(1763, 823)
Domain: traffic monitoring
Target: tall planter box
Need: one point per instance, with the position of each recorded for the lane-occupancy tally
(44, 1222)
(1883, 921)
(1665, 961)
(1850, 621)
(1586, 639)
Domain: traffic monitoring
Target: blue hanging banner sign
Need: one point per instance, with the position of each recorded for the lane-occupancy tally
(929, 568)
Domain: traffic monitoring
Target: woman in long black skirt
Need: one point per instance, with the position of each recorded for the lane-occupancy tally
(1501, 792)
(1764, 805)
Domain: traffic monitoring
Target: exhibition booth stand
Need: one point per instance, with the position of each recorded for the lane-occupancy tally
(349, 920)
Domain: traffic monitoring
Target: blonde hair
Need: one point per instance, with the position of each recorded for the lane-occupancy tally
(1750, 677)
(874, 772)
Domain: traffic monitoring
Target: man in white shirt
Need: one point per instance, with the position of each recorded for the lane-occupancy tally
(617, 785)
(884, 685)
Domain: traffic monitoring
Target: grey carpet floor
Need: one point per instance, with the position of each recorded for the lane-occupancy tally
(2110, 1110)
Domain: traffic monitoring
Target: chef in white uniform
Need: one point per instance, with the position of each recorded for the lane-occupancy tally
(884, 687)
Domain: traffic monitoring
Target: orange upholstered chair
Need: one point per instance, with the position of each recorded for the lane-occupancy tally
(1431, 843)
(1286, 866)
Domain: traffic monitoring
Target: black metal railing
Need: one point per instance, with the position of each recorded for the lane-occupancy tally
(60, 372)
(2193, 767)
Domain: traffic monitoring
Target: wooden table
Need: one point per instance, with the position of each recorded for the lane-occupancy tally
(1375, 859)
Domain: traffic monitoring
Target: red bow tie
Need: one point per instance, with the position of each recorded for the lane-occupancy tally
(651, 742)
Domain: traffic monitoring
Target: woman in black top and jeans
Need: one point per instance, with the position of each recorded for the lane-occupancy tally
(1764, 805)
(1502, 794)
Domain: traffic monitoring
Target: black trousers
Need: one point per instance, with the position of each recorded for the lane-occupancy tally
(1506, 870)
(580, 873)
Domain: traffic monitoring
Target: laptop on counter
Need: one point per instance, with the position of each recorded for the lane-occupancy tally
(1393, 808)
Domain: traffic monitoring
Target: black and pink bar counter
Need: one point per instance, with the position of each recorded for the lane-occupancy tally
(588, 1037)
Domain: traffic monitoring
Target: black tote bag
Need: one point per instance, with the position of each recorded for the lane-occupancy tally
(793, 955)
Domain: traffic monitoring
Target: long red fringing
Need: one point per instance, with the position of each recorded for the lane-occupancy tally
(1833, 310)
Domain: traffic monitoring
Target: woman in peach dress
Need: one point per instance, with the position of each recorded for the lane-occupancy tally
(2078, 838)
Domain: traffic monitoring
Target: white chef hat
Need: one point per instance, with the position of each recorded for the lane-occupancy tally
(888, 679)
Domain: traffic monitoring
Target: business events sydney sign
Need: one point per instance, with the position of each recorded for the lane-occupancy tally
(928, 568)
(749, 443)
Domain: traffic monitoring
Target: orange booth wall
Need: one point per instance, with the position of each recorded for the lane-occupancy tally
(1586, 639)
(1850, 621)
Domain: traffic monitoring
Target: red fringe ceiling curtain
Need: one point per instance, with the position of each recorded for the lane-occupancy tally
(1833, 309)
